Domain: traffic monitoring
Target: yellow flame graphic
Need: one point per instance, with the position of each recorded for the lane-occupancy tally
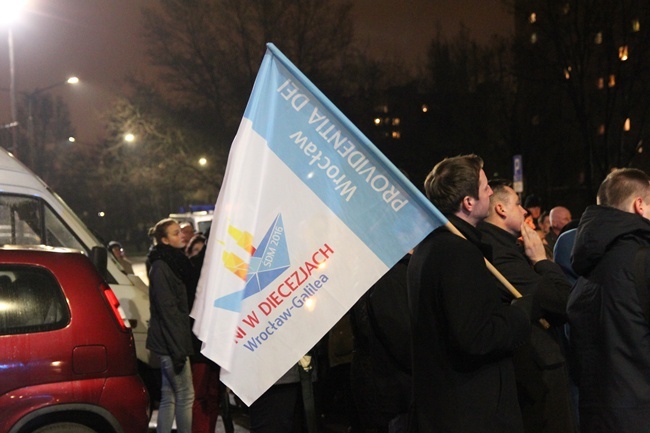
(232, 261)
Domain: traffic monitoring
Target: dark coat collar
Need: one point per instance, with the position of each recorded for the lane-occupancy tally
(472, 234)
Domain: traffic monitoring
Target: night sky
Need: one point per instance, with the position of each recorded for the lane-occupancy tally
(97, 40)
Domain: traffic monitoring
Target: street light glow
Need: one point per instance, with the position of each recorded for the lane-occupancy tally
(10, 9)
(203, 161)
(129, 138)
(73, 80)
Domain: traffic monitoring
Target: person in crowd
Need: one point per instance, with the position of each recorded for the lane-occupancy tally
(170, 335)
(279, 409)
(609, 306)
(381, 360)
(118, 252)
(562, 252)
(559, 216)
(334, 379)
(543, 228)
(540, 365)
(533, 205)
(464, 326)
(205, 372)
(562, 256)
(544, 223)
(195, 246)
(187, 231)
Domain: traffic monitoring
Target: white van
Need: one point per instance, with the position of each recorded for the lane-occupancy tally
(32, 214)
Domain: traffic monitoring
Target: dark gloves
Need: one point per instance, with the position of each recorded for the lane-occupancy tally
(178, 364)
(530, 306)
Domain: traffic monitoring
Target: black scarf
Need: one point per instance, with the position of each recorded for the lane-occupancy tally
(177, 261)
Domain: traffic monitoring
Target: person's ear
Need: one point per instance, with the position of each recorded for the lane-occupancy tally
(500, 209)
(468, 204)
(639, 205)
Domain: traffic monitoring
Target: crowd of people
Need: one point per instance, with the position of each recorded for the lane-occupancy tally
(509, 319)
(570, 352)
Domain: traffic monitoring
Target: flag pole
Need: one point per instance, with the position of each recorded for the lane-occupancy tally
(513, 291)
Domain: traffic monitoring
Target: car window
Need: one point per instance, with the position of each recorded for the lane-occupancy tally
(58, 234)
(28, 220)
(20, 220)
(204, 226)
(31, 300)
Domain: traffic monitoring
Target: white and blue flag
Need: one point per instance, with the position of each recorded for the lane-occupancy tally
(309, 216)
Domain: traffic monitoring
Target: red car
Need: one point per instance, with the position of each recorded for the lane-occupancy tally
(67, 356)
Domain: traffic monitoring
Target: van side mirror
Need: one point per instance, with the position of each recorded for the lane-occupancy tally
(99, 257)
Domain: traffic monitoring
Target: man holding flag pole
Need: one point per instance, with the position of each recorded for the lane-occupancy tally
(464, 330)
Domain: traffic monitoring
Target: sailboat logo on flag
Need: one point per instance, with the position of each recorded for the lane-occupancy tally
(268, 261)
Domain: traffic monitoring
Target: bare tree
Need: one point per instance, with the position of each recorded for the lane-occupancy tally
(471, 92)
(209, 51)
(44, 129)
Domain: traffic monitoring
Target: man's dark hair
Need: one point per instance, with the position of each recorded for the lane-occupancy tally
(453, 179)
(620, 185)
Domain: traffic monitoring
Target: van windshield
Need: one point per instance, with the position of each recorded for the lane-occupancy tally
(29, 221)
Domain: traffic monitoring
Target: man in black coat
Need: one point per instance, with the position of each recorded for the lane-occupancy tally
(609, 306)
(464, 326)
(540, 367)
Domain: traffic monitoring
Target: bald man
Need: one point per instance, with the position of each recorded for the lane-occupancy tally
(559, 217)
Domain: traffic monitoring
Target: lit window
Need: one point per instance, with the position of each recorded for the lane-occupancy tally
(384, 108)
(612, 81)
(566, 8)
(622, 53)
(396, 121)
(533, 38)
(601, 129)
(601, 83)
(425, 108)
(377, 121)
(636, 25)
(396, 135)
(598, 39)
(567, 72)
(626, 125)
(532, 18)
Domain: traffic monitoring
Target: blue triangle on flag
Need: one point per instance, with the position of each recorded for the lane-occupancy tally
(270, 260)
(231, 302)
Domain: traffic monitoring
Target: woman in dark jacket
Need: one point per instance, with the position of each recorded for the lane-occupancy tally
(170, 335)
